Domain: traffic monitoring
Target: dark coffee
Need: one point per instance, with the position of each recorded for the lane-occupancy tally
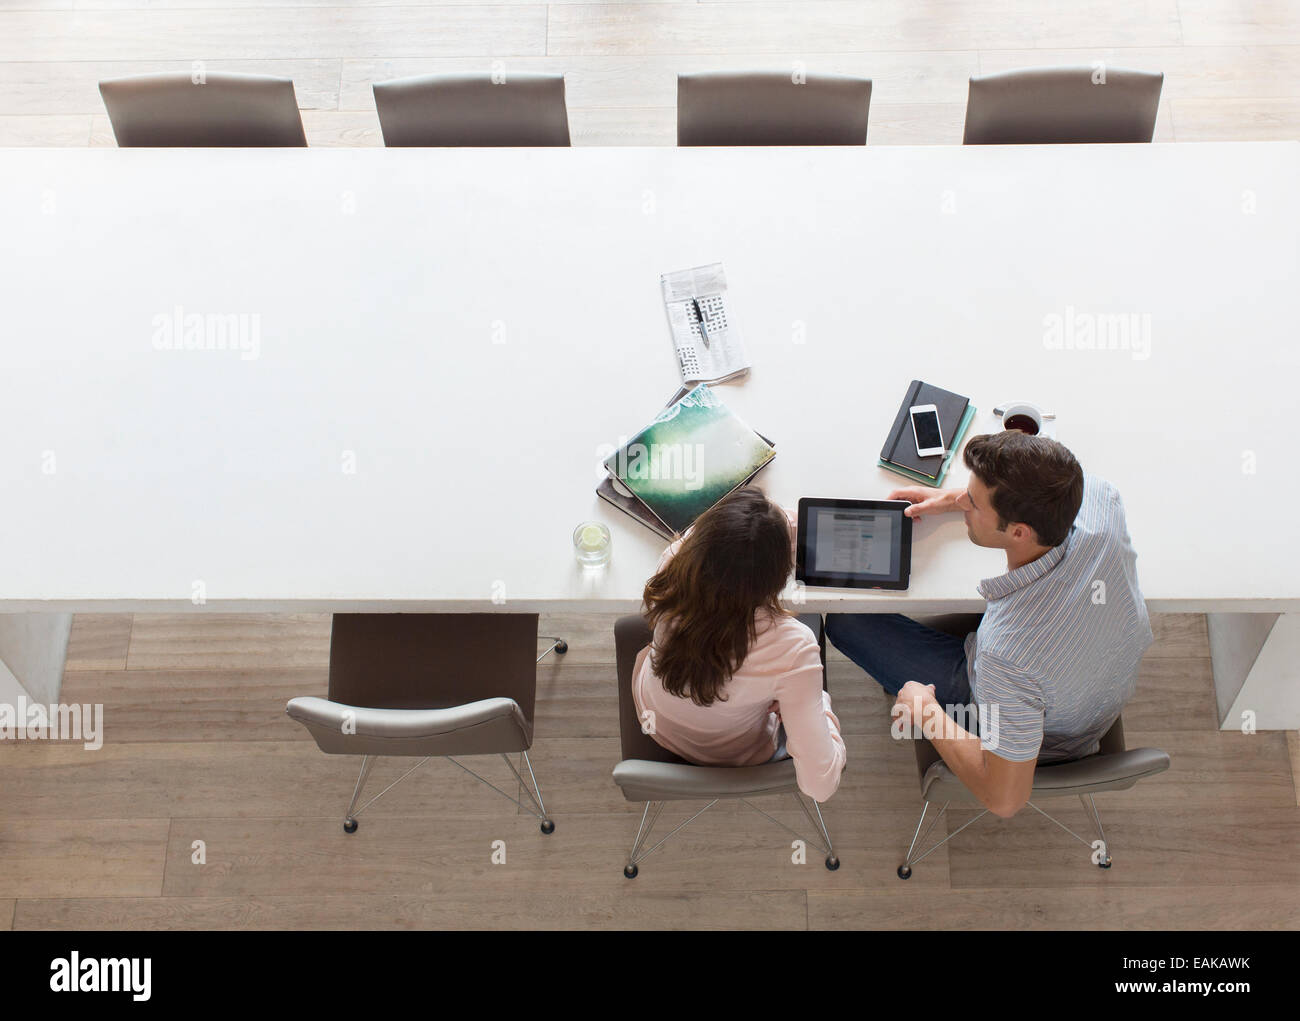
(1023, 423)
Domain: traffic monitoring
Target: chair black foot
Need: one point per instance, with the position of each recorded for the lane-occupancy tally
(630, 871)
(548, 827)
(832, 863)
(561, 646)
(349, 825)
(905, 872)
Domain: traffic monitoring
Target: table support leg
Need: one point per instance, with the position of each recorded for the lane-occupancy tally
(33, 647)
(1256, 658)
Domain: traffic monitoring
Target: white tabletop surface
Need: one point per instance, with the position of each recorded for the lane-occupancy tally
(471, 327)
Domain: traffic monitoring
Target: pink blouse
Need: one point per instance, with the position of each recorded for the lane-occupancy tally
(780, 682)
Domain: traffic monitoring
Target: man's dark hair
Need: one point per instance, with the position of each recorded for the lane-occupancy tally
(1033, 480)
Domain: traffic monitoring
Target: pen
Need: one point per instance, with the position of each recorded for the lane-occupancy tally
(699, 318)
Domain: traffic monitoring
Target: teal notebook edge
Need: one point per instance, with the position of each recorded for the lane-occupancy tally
(925, 480)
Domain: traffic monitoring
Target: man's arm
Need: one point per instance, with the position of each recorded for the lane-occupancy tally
(1003, 786)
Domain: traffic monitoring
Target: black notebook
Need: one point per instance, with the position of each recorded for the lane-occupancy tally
(900, 446)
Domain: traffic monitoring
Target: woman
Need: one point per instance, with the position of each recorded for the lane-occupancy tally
(728, 669)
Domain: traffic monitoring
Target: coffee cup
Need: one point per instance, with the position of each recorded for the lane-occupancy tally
(1027, 418)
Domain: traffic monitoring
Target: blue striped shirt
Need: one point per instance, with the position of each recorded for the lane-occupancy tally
(1056, 656)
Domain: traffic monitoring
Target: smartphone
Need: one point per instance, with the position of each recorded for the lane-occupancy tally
(925, 430)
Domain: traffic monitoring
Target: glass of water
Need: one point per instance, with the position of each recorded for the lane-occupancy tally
(591, 544)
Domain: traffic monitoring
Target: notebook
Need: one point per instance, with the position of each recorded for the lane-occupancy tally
(899, 452)
(694, 453)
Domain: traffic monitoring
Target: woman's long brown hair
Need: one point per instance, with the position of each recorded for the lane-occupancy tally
(735, 561)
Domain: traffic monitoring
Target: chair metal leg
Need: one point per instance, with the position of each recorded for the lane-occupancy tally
(1105, 844)
(548, 826)
(536, 808)
(643, 831)
(350, 820)
(905, 870)
(558, 645)
(630, 870)
(832, 862)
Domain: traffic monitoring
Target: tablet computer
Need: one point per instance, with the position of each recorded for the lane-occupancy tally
(853, 543)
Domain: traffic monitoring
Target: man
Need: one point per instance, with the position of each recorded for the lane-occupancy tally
(1055, 657)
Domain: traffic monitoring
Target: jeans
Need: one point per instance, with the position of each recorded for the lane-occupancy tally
(895, 649)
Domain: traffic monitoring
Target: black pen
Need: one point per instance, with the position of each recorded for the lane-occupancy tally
(699, 318)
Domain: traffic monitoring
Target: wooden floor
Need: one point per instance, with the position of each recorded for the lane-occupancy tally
(1231, 66)
(197, 748)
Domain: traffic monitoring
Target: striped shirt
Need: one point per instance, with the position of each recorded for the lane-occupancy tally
(1056, 656)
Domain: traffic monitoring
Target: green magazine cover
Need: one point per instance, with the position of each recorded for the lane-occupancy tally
(693, 454)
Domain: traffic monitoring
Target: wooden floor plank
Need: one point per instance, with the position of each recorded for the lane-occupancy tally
(630, 907)
(229, 641)
(728, 848)
(262, 33)
(122, 857)
(1233, 22)
(98, 642)
(1151, 849)
(827, 26)
(236, 704)
(1273, 906)
(54, 131)
(1237, 120)
(1293, 743)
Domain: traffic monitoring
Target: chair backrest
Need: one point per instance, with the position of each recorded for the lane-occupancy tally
(1046, 105)
(433, 660)
(519, 109)
(631, 635)
(223, 110)
(770, 108)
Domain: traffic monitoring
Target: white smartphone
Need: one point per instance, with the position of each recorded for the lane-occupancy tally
(926, 430)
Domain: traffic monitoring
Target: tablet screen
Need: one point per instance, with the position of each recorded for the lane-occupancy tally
(854, 543)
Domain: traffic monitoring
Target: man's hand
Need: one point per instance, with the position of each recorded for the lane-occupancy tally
(910, 704)
(925, 500)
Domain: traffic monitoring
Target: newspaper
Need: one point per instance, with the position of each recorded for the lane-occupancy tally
(708, 342)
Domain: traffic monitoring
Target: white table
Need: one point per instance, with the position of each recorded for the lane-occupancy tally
(449, 341)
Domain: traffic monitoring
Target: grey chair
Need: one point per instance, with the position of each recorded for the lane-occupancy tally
(426, 685)
(225, 110)
(1112, 768)
(650, 773)
(769, 108)
(520, 109)
(1045, 105)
